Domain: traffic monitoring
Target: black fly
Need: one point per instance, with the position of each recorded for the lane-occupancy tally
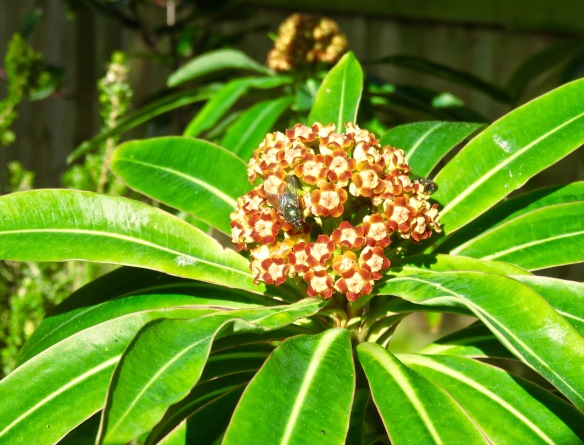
(287, 203)
(429, 185)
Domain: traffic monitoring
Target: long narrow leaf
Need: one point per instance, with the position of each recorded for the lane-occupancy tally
(73, 375)
(224, 99)
(213, 61)
(520, 319)
(511, 209)
(337, 99)
(551, 236)
(444, 72)
(489, 394)
(192, 175)
(60, 225)
(540, 63)
(168, 372)
(501, 159)
(411, 406)
(126, 291)
(566, 297)
(251, 127)
(426, 143)
(303, 375)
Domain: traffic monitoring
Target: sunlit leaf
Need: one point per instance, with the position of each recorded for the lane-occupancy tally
(426, 143)
(303, 375)
(189, 174)
(337, 99)
(138, 401)
(410, 405)
(521, 320)
(501, 158)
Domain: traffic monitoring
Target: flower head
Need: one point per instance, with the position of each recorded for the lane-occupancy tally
(325, 208)
(305, 40)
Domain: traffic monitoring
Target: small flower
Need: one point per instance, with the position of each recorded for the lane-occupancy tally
(348, 237)
(354, 197)
(328, 200)
(319, 283)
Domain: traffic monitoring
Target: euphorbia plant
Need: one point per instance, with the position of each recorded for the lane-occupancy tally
(201, 349)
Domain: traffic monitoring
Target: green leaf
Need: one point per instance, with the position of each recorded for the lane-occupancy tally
(148, 380)
(475, 340)
(177, 417)
(214, 61)
(520, 319)
(246, 133)
(337, 99)
(60, 225)
(489, 394)
(566, 297)
(357, 426)
(546, 237)
(192, 175)
(206, 425)
(144, 114)
(540, 63)
(410, 405)
(426, 143)
(224, 99)
(511, 209)
(508, 157)
(443, 263)
(127, 291)
(302, 394)
(62, 386)
(444, 72)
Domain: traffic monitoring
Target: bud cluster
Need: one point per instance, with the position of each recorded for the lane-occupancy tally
(305, 40)
(352, 194)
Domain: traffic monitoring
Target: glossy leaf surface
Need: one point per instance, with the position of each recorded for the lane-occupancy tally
(72, 375)
(128, 291)
(213, 61)
(501, 159)
(546, 237)
(566, 297)
(337, 99)
(166, 360)
(189, 174)
(224, 99)
(411, 406)
(489, 395)
(513, 208)
(426, 143)
(306, 391)
(520, 319)
(61, 225)
(245, 134)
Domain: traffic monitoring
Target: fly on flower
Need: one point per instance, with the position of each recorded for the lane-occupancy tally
(287, 203)
(429, 185)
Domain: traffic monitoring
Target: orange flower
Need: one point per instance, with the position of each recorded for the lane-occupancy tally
(330, 225)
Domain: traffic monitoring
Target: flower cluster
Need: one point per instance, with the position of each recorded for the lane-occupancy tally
(306, 40)
(325, 208)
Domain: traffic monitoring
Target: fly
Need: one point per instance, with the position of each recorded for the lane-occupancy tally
(429, 185)
(287, 203)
